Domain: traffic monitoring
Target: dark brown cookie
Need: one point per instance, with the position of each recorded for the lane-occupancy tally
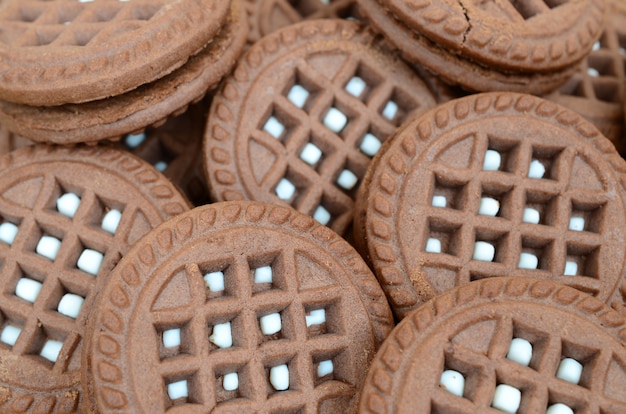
(491, 46)
(57, 52)
(236, 306)
(513, 345)
(267, 16)
(494, 184)
(66, 218)
(149, 104)
(597, 90)
(303, 113)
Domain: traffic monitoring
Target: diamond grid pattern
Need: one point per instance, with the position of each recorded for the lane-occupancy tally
(299, 347)
(458, 223)
(40, 320)
(587, 396)
(340, 150)
(37, 23)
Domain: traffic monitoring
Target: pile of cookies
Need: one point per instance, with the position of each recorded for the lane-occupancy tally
(312, 206)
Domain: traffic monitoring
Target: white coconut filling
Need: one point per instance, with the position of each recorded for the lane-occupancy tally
(132, 141)
(433, 245)
(270, 324)
(325, 368)
(390, 110)
(48, 247)
(68, 204)
(335, 120)
(571, 269)
(263, 274)
(311, 154)
(8, 231)
(274, 127)
(315, 317)
(347, 179)
(171, 338)
(484, 251)
(439, 201)
(90, 261)
(222, 335)
(453, 382)
(51, 350)
(10, 334)
(536, 169)
(28, 289)
(370, 145)
(279, 377)
(489, 207)
(570, 370)
(559, 408)
(70, 305)
(577, 223)
(214, 281)
(492, 160)
(177, 390)
(230, 382)
(285, 189)
(520, 351)
(506, 398)
(111, 221)
(528, 261)
(298, 95)
(322, 215)
(531, 215)
(355, 86)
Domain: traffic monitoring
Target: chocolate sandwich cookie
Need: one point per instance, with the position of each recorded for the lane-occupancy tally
(530, 47)
(10, 141)
(148, 105)
(236, 306)
(267, 16)
(494, 184)
(175, 149)
(512, 345)
(57, 52)
(597, 90)
(67, 216)
(303, 113)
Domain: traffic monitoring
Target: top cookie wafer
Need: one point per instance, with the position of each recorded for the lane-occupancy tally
(237, 307)
(516, 35)
(495, 184)
(63, 51)
(512, 345)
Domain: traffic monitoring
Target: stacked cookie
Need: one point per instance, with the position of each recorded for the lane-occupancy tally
(86, 71)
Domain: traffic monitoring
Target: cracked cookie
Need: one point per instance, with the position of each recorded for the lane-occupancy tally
(523, 46)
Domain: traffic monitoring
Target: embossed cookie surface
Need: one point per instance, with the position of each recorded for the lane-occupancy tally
(267, 16)
(597, 90)
(56, 52)
(303, 113)
(513, 345)
(66, 218)
(237, 306)
(144, 106)
(494, 184)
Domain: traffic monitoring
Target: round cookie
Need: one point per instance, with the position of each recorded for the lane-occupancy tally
(597, 89)
(486, 46)
(131, 112)
(236, 306)
(66, 218)
(494, 184)
(267, 16)
(502, 345)
(57, 52)
(303, 113)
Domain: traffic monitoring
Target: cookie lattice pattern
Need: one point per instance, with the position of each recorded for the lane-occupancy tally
(473, 227)
(330, 129)
(251, 331)
(556, 372)
(40, 23)
(50, 258)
